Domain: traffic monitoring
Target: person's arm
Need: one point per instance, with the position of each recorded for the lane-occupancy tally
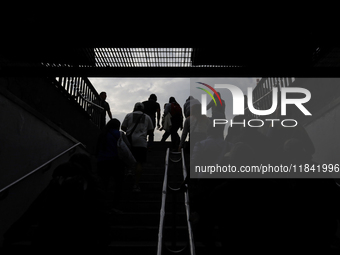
(124, 124)
(110, 114)
(108, 110)
(158, 113)
(167, 109)
(150, 125)
(210, 104)
(185, 132)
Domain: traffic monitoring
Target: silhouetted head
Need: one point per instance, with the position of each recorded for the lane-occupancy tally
(113, 124)
(172, 100)
(195, 110)
(103, 95)
(153, 97)
(219, 94)
(139, 107)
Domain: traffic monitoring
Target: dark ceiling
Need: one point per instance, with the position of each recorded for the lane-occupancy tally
(249, 55)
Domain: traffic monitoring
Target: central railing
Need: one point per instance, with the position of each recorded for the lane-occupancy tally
(183, 189)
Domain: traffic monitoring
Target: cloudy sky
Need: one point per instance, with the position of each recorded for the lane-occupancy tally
(123, 93)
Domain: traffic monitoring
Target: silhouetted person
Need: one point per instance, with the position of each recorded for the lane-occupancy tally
(176, 120)
(234, 131)
(143, 127)
(102, 112)
(188, 104)
(166, 125)
(110, 167)
(153, 109)
(196, 126)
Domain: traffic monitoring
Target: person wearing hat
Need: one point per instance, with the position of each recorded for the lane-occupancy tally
(138, 125)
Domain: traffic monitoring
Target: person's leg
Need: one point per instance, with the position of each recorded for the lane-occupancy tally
(151, 139)
(138, 174)
(175, 139)
(151, 136)
(118, 181)
(165, 136)
(140, 154)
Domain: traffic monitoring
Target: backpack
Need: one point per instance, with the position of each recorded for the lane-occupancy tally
(124, 152)
(176, 110)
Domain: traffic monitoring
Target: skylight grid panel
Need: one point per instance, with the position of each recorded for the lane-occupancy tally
(147, 59)
(115, 58)
(106, 57)
(138, 57)
(121, 60)
(101, 56)
(96, 57)
(129, 53)
(109, 56)
(133, 58)
(128, 56)
(122, 57)
(138, 60)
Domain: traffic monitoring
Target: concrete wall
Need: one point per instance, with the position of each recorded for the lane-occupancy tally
(28, 139)
(49, 101)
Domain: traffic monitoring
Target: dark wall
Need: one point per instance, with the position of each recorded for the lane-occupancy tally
(48, 100)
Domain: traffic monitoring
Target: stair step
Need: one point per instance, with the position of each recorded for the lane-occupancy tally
(128, 248)
(149, 219)
(147, 195)
(148, 206)
(146, 233)
(123, 248)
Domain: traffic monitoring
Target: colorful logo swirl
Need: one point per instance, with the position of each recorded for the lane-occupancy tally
(208, 92)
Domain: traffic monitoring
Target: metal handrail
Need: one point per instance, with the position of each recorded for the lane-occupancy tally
(40, 167)
(162, 212)
(81, 94)
(184, 188)
(187, 207)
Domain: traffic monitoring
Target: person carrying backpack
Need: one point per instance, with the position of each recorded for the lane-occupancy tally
(138, 125)
(176, 120)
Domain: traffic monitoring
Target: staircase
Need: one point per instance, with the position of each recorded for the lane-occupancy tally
(136, 230)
